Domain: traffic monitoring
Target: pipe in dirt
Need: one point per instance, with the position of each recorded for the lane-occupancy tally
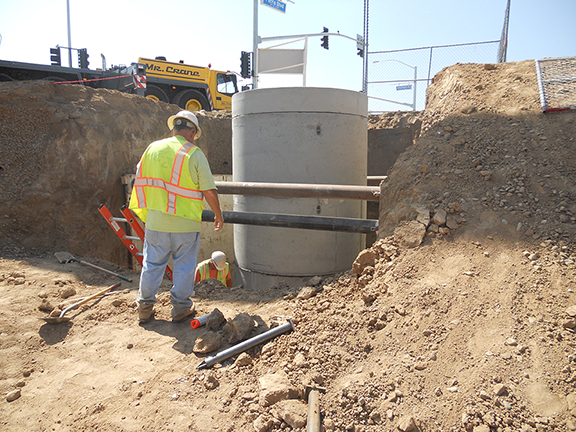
(246, 345)
(313, 423)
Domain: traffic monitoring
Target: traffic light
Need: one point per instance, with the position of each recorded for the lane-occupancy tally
(360, 45)
(83, 58)
(245, 67)
(324, 43)
(55, 56)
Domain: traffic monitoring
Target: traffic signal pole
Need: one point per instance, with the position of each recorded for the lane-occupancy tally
(255, 42)
(300, 36)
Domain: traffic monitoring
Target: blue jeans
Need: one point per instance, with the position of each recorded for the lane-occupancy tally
(158, 247)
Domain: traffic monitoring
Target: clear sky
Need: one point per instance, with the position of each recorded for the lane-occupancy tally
(216, 31)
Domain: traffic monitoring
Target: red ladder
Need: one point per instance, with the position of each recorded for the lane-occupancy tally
(130, 219)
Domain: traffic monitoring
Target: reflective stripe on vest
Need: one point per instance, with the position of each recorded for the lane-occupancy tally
(173, 188)
(221, 275)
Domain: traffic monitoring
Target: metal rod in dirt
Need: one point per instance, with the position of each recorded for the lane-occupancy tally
(246, 345)
(295, 221)
(313, 423)
(295, 190)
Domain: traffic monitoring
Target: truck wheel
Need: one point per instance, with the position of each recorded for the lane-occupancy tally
(191, 100)
(155, 93)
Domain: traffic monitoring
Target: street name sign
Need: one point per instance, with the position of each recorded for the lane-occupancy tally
(275, 4)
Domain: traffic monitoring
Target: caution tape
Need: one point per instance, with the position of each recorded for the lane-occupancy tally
(91, 80)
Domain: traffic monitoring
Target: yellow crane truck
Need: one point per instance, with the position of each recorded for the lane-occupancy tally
(191, 87)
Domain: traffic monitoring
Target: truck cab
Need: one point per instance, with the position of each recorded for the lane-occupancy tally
(190, 87)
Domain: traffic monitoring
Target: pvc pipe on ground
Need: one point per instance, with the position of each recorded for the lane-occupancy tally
(313, 423)
(295, 221)
(246, 345)
(199, 322)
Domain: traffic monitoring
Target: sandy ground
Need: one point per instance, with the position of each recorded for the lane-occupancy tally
(469, 328)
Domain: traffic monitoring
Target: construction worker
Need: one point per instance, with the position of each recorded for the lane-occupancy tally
(172, 178)
(216, 268)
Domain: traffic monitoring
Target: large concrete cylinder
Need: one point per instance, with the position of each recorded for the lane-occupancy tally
(297, 135)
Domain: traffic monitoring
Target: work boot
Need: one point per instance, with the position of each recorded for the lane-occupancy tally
(145, 315)
(181, 316)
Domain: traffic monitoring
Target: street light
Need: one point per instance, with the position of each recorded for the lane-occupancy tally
(415, 76)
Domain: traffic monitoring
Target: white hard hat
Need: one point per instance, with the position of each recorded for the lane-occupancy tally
(219, 260)
(186, 115)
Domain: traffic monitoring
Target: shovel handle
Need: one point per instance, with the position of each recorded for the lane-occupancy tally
(106, 270)
(93, 296)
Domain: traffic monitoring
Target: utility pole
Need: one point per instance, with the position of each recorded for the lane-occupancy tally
(365, 57)
(69, 36)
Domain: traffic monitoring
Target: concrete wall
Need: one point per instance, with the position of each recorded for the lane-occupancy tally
(384, 147)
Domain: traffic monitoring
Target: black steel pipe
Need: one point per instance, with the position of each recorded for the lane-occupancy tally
(366, 193)
(295, 221)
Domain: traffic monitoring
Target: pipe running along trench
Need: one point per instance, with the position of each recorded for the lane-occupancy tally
(298, 190)
(367, 193)
(294, 221)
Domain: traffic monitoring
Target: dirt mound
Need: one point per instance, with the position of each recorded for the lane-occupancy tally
(64, 150)
(487, 150)
(472, 330)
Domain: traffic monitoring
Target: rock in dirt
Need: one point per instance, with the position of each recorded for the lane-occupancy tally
(410, 234)
(439, 217)
(215, 320)
(46, 306)
(423, 216)
(306, 293)
(329, 424)
(67, 291)
(238, 328)
(292, 411)
(365, 258)
(315, 281)
(118, 302)
(406, 424)
(207, 342)
(211, 382)
(275, 387)
(500, 389)
(243, 360)
(263, 423)
(13, 395)
(369, 296)
(300, 361)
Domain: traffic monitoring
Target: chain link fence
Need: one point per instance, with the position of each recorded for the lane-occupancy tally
(557, 83)
(397, 80)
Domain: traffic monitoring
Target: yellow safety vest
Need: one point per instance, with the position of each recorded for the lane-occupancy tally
(206, 272)
(163, 181)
